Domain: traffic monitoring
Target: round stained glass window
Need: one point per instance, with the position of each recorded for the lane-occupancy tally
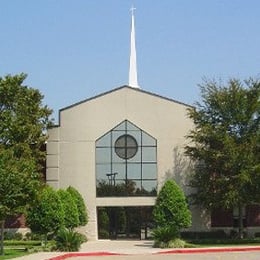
(126, 146)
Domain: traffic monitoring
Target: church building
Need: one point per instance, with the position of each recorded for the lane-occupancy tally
(117, 149)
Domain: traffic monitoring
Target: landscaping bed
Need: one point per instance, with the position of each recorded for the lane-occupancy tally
(222, 242)
(17, 248)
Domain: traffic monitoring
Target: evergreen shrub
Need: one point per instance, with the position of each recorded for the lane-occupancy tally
(170, 214)
(82, 211)
(71, 216)
(46, 215)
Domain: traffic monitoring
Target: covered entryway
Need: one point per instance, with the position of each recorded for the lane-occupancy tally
(124, 222)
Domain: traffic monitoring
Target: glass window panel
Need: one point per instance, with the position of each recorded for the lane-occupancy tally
(104, 140)
(104, 188)
(130, 141)
(132, 186)
(150, 187)
(137, 157)
(102, 170)
(103, 155)
(133, 171)
(120, 142)
(120, 169)
(116, 135)
(137, 188)
(136, 135)
(145, 190)
(111, 178)
(148, 140)
(149, 154)
(102, 181)
(149, 171)
(130, 152)
(131, 127)
(120, 182)
(137, 150)
(120, 188)
(120, 127)
(121, 152)
(115, 157)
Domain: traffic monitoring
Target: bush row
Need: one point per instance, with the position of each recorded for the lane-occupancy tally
(54, 210)
(55, 214)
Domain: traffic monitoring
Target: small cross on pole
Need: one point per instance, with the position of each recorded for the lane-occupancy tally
(132, 10)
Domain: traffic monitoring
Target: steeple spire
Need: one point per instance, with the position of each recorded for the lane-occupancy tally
(133, 67)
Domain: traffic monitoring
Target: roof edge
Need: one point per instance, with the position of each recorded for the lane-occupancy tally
(116, 89)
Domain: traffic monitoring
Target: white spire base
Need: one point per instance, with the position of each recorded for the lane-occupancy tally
(133, 67)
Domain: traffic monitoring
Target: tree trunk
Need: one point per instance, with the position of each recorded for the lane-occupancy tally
(2, 222)
(240, 222)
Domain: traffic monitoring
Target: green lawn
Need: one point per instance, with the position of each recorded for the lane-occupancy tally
(14, 248)
(12, 253)
(222, 242)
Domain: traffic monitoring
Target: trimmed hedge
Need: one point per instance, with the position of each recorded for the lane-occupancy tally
(22, 243)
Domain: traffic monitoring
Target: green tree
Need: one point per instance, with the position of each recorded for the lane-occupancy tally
(225, 145)
(46, 216)
(19, 184)
(23, 124)
(71, 216)
(82, 211)
(24, 119)
(171, 212)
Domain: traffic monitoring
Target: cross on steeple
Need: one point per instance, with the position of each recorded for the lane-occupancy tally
(132, 10)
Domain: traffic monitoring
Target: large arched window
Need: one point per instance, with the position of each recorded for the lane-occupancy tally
(126, 162)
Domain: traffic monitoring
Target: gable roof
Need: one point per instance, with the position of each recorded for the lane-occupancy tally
(119, 88)
(114, 90)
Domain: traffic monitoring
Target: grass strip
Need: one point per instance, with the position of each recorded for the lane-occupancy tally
(12, 253)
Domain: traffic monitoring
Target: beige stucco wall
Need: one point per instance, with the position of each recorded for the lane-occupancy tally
(71, 146)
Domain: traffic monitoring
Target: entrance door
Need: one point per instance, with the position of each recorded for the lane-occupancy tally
(124, 222)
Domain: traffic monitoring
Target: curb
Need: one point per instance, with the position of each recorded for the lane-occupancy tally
(210, 250)
(68, 255)
(172, 251)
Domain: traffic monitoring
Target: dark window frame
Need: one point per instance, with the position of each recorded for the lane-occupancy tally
(112, 178)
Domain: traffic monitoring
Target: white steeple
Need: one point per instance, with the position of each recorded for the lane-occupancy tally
(133, 67)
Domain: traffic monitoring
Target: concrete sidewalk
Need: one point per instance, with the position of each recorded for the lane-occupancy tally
(120, 246)
(131, 247)
(111, 246)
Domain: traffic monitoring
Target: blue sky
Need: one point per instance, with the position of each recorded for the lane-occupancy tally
(75, 49)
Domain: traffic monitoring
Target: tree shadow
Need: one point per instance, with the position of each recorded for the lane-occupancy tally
(181, 171)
